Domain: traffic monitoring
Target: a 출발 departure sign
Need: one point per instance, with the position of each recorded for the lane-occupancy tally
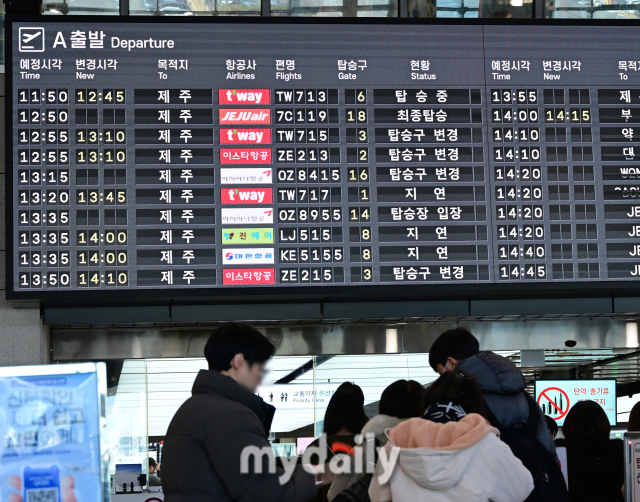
(156, 155)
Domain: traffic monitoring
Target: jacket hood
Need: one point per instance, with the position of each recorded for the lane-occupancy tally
(494, 374)
(212, 382)
(435, 456)
(378, 425)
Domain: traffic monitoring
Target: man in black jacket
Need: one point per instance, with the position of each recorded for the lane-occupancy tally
(201, 460)
(501, 382)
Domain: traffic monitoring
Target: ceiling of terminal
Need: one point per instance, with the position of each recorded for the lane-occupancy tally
(620, 364)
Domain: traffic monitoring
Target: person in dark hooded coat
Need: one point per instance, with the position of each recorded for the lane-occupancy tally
(501, 382)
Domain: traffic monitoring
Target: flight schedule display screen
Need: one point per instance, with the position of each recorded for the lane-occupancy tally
(227, 155)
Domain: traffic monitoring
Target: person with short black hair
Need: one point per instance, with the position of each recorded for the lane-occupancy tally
(402, 399)
(232, 339)
(501, 382)
(450, 347)
(451, 453)
(223, 417)
(595, 463)
(153, 480)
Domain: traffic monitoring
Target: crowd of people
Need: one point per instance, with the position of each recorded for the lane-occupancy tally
(474, 434)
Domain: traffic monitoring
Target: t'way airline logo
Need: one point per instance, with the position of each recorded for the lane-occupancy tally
(238, 116)
(244, 96)
(246, 195)
(245, 136)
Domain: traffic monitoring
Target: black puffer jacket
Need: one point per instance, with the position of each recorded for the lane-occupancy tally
(502, 385)
(204, 442)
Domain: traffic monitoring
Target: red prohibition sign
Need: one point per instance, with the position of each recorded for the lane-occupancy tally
(153, 499)
(544, 393)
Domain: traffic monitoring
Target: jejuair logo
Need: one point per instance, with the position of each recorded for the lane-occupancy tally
(251, 116)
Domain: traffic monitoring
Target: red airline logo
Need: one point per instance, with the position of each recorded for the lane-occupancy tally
(246, 195)
(240, 116)
(244, 96)
(245, 136)
(245, 155)
(248, 276)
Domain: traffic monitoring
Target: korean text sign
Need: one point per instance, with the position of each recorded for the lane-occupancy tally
(52, 421)
(557, 397)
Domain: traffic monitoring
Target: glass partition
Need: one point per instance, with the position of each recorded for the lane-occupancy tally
(592, 9)
(127, 416)
(335, 8)
(149, 392)
(194, 7)
(497, 9)
(93, 7)
(2, 60)
(554, 9)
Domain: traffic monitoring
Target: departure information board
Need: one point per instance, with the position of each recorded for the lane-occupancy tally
(156, 155)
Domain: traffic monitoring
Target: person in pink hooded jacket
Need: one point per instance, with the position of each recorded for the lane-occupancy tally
(451, 454)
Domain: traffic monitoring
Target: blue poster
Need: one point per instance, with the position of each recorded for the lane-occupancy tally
(50, 431)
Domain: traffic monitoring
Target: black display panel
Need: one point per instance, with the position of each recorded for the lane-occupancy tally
(162, 156)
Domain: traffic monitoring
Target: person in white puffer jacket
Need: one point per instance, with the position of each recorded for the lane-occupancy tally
(451, 454)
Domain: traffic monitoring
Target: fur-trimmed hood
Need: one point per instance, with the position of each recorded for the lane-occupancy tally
(379, 424)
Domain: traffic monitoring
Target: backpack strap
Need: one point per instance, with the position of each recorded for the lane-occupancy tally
(534, 415)
(492, 418)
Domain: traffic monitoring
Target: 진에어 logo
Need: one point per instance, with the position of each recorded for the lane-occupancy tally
(31, 39)
(239, 116)
(260, 235)
(245, 136)
(244, 96)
